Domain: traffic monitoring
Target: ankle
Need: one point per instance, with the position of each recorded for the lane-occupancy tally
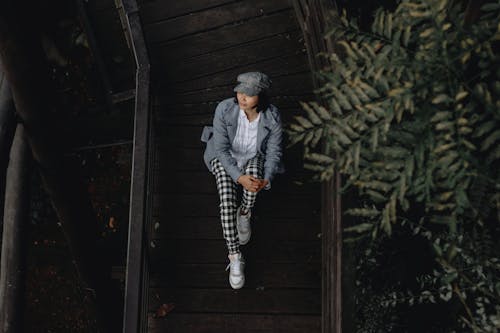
(233, 256)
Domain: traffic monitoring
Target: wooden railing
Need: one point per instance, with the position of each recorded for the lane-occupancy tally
(314, 19)
(136, 274)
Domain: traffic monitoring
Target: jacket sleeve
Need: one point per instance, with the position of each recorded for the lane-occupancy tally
(274, 150)
(223, 145)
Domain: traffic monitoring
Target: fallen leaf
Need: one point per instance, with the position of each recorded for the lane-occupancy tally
(164, 309)
(112, 222)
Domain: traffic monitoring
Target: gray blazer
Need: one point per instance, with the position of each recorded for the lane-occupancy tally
(220, 136)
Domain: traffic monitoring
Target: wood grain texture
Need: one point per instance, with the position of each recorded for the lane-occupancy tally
(258, 275)
(269, 301)
(217, 323)
(227, 36)
(198, 48)
(210, 18)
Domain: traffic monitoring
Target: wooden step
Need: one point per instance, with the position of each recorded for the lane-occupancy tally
(225, 300)
(211, 18)
(258, 250)
(230, 323)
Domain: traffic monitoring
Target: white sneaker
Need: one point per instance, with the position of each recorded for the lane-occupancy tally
(236, 268)
(243, 226)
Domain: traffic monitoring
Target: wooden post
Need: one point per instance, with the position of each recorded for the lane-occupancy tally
(7, 128)
(16, 215)
(313, 17)
(136, 275)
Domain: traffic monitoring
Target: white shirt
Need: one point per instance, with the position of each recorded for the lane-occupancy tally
(244, 145)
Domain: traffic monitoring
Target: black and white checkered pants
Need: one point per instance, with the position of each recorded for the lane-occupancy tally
(228, 198)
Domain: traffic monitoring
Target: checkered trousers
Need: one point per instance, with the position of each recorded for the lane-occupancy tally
(227, 189)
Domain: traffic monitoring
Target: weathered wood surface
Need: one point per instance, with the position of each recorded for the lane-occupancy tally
(198, 47)
(216, 323)
(15, 229)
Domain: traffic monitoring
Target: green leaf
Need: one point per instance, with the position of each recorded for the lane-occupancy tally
(369, 90)
(317, 136)
(296, 127)
(490, 140)
(319, 158)
(314, 167)
(441, 98)
(308, 137)
(376, 196)
(335, 108)
(406, 35)
(322, 112)
(427, 32)
(374, 141)
(359, 228)
(295, 139)
(445, 125)
(311, 114)
(485, 128)
(344, 139)
(461, 95)
(441, 115)
(442, 148)
(490, 7)
(304, 122)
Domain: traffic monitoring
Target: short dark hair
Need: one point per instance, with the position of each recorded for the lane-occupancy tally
(264, 101)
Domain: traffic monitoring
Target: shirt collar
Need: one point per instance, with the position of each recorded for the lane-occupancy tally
(243, 115)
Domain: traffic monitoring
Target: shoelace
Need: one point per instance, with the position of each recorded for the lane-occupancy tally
(237, 268)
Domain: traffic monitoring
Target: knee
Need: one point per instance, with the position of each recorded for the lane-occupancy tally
(228, 206)
(252, 171)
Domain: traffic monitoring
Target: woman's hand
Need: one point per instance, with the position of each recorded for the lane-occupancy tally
(262, 184)
(251, 183)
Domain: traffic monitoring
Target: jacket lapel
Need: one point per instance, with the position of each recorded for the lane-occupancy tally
(232, 122)
(265, 124)
(264, 128)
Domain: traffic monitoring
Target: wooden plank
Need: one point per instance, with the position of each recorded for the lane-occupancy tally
(223, 37)
(288, 84)
(275, 68)
(180, 136)
(209, 228)
(258, 250)
(268, 204)
(221, 323)
(204, 182)
(211, 18)
(242, 56)
(157, 10)
(191, 159)
(258, 276)
(167, 106)
(185, 159)
(178, 118)
(269, 301)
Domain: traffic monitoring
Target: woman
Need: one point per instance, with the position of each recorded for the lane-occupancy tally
(243, 149)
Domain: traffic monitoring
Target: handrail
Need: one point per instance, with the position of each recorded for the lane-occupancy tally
(313, 16)
(135, 311)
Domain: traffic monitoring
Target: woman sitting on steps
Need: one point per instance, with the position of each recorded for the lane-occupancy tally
(244, 147)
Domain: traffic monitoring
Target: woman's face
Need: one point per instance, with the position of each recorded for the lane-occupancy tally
(247, 102)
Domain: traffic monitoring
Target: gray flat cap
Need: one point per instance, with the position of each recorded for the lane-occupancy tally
(252, 83)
